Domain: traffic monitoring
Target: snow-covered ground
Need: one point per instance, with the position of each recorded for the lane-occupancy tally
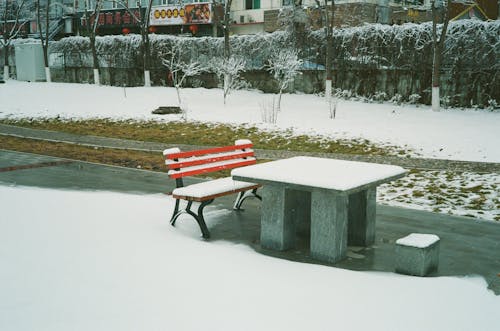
(116, 267)
(464, 194)
(450, 134)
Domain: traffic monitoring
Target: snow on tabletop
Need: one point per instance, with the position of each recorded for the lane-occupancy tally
(320, 172)
(419, 240)
(212, 187)
(242, 142)
(116, 267)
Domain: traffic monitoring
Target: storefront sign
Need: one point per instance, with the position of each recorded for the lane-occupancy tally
(114, 17)
(196, 13)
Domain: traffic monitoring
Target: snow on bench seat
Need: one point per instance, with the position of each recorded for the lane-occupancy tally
(212, 189)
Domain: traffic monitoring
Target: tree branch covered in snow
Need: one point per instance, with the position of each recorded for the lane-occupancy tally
(179, 66)
(284, 65)
(229, 71)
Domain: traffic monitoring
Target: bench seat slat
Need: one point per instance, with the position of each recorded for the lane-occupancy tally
(194, 161)
(212, 189)
(212, 167)
(207, 151)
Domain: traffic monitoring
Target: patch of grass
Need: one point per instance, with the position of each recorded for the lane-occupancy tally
(475, 189)
(477, 203)
(197, 133)
(118, 157)
(418, 194)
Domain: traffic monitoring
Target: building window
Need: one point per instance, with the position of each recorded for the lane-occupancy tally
(252, 4)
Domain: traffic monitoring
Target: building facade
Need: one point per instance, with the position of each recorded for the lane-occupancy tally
(203, 17)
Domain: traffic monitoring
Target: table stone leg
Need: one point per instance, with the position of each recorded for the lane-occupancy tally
(362, 210)
(328, 225)
(277, 222)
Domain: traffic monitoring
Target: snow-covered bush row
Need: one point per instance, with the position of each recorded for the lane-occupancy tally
(398, 60)
(124, 51)
(469, 42)
(409, 46)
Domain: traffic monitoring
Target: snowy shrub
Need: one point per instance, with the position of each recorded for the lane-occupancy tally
(414, 98)
(445, 101)
(379, 97)
(180, 67)
(493, 104)
(228, 71)
(344, 94)
(397, 99)
(284, 65)
(195, 82)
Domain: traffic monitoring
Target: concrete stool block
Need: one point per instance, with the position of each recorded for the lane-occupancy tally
(417, 254)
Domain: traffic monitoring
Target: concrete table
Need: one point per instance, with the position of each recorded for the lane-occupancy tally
(334, 199)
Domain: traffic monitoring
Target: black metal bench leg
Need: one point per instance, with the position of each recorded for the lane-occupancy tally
(176, 213)
(243, 195)
(239, 200)
(199, 217)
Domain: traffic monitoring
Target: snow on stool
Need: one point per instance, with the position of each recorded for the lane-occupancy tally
(417, 254)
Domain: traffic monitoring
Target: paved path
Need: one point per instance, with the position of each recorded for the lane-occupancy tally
(409, 163)
(468, 247)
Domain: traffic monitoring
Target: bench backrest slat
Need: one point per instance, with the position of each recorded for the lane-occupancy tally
(207, 151)
(208, 159)
(191, 171)
(181, 164)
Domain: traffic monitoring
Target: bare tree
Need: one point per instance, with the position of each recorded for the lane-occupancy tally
(229, 71)
(10, 11)
(143, 24)
(439, 14)
(227, 27)
(91, 16)
(295, 20)
(284, 65)
(179, 68)
(329, 20)
(44, 31)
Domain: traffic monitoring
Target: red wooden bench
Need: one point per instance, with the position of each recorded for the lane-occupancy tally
(203, 161)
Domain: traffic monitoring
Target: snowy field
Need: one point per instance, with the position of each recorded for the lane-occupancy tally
(450, 134)
(114, 267)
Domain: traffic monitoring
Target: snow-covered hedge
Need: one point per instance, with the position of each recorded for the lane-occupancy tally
(369, 60)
